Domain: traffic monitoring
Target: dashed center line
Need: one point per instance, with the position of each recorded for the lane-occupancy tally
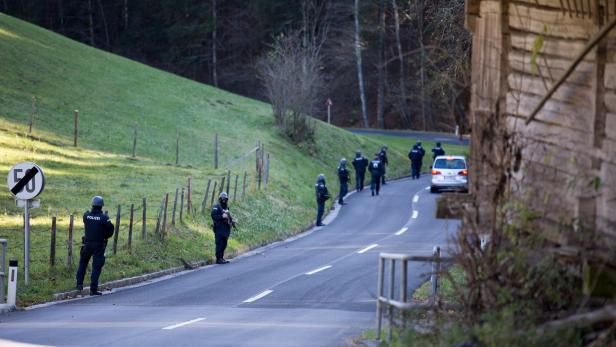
(416, 198)
(401, 231)
(428, 188)
(367, 248)
(171, 327)
(415, 214)
(318, 270)
(259, 296)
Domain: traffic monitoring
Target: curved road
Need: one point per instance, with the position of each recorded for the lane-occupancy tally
(445, 138)
(316, 290)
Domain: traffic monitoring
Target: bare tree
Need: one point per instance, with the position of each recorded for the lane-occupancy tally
(214, 38)
(380, 105)
(360, 74)
(402, 104)
(292, 93)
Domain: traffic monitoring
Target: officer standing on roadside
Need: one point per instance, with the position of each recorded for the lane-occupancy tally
(436, 151)
(222, 226)
(98, 228)
(415, 157)
(384, 162)
(376, 170)
(360, 163)
(422, 151)
(344, 177)
(322, 195)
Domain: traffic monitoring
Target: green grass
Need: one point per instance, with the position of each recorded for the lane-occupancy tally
(113, 95)
(446, 290)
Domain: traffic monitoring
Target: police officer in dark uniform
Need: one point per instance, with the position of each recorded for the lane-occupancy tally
(222, 226)
(344, 176)
(98, 228)
(376, 170)
(322, 195)
(423, 153)
(436, 151)
(384, 162)
(360, 163)
(415, 157)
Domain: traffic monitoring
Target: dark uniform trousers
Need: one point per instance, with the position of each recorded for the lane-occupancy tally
(359, 180)
(375, 184)
(221, 245)
(320, 211)
(96, 251)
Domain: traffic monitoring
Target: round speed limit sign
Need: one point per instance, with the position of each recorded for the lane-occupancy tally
(26, 181)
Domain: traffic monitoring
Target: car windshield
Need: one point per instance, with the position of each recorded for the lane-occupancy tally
(451, 164)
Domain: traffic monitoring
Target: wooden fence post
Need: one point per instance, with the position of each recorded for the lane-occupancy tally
(229, 182)
(182, 207)
(117, 230)
(52, 244)
(257, 155)
(76, 127)
(244, 185)
(213, 194)
(175, 205)
(215, 151)
(159, 217)
(222, 184)
(267, 167)
(143, 219)
(134, 152)
(177, 147)
(69, 243)
(189, 196)
(235, 187)
(130, 229)
(205, 196)
(32, 115)
(164, 228)
(259, 178)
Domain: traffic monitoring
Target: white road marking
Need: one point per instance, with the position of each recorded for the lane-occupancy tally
(415, 214)
(367, 248)
(318, 270)
(401, 231)
(259, 296)
(171, 327)
(428, 188)
(416, 198)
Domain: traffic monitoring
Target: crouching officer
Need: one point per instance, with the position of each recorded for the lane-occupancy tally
(222, 226)
(360, 163)
(98, 228)
(344, 177)
(376, 170)
(322, 195)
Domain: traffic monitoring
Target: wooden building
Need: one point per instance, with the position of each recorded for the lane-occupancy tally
(567, 161)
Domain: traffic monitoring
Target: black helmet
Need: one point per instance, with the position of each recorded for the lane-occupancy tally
(223, 197)
(384, 148)
(97, 201)
(343, 162)
(358, 153)
(438, 144)
(321, 178)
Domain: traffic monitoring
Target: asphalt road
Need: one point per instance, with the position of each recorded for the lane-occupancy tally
(444, 138)
(317, 290)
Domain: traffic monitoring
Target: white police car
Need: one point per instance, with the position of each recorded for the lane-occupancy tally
(449, 172)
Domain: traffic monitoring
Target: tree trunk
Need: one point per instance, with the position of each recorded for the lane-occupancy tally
(214, 48)
(380, 106)
(402, 97)
(91, 22)
(360, 75)
(427, 120)
(61, 15)
(100, 6)
(125, 14)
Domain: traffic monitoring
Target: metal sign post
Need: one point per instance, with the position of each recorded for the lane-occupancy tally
(329, 104)
(26, 181)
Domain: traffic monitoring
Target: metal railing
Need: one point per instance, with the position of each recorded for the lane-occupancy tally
(3, 272)
(403, 304)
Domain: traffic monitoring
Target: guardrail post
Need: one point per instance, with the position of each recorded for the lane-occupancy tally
(379, 294)
(404, 287)
(436, 253)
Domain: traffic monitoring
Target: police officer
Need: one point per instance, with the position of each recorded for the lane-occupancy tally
(322, 195)
(384, 162)
(344, 176)
(222, 226)
(415, 157)
(98, 228)
(360, 163)
(376, 170)
(436, 151)
(423, 153)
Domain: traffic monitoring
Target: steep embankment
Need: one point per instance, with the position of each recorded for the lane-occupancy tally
(114, 96)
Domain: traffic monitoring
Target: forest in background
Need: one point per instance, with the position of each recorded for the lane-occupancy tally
(414, 56)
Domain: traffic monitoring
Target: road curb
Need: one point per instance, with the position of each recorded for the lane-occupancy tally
(6, 308)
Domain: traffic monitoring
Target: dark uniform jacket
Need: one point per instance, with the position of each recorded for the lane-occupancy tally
(343, 175)
(415, 156)
(422, 150)
(222, 226)
(376, 167)
(437, 151)
(322, 193)
(383, 157)
(360, 164)
(98, 227)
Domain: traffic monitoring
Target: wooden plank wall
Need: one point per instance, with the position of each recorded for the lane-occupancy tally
(572, 141)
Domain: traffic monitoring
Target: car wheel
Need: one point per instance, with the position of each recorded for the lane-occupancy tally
(433, 190)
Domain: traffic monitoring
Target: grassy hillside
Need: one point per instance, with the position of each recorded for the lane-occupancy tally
(113, 95)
